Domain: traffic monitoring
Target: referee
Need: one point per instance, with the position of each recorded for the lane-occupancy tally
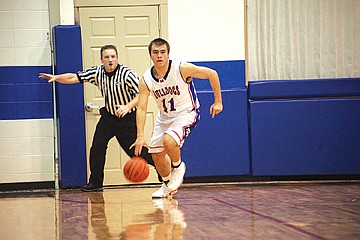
(119, 87)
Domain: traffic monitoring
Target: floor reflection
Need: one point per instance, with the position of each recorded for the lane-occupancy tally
(118, 218)
(166, 222)
(228, 211)
(98, 220)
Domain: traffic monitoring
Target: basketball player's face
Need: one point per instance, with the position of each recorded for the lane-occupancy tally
(159, 55)
(109, 59)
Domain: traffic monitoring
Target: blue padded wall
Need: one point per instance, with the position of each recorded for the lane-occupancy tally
(311, 88)
(23, 95)
(231, 74)
(70, 108)
(305, 137)
(219, 146)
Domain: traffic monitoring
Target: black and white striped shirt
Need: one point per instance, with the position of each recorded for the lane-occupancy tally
(117, 88)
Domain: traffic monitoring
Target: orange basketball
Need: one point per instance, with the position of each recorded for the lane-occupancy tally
(136, 169)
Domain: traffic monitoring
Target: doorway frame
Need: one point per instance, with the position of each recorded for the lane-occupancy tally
(162, 6)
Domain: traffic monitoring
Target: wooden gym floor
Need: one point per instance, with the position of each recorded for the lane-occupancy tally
(316, 210)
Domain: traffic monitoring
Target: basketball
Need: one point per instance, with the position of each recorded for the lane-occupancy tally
(136, 169)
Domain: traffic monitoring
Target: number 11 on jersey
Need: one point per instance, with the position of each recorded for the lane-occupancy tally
(171, 103)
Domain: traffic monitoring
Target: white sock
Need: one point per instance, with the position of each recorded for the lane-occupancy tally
(166, 179)
(176, 164)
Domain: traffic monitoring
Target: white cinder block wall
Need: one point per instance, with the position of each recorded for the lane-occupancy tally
(26, 148)
(26, 145)
(24, 26)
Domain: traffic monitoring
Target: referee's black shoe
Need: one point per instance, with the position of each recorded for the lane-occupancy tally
(90, 187)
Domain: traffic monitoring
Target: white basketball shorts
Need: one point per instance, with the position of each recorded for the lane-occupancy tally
(178, 127)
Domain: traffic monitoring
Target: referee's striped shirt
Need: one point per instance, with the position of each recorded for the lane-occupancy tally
(117, 88)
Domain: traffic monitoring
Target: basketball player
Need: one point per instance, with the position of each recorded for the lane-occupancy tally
(170, 83)
(119, 87)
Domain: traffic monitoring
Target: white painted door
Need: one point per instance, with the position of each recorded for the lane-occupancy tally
(130, 29)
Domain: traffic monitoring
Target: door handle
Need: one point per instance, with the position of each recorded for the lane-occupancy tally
(89, 107)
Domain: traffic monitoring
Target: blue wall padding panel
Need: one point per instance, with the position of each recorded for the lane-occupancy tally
(70, 108)
(305, 137)
(304, 88)
(219, 146)
(231, 74)
(23, 95)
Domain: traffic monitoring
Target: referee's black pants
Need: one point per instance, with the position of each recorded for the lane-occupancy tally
(109, 126)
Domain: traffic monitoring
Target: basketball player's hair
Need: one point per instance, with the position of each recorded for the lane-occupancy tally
(158, 42)
(103, 48)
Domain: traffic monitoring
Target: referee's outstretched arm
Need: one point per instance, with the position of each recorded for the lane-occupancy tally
(66, 78)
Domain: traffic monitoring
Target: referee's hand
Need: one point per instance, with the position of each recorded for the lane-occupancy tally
(121, 110)
(49, 77)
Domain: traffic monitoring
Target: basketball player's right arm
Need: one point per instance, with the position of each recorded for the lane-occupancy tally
(66, 78)
(141, 117)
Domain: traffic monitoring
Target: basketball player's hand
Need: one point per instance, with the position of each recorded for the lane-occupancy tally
(216, 108)
(139, 144)
(121, 110)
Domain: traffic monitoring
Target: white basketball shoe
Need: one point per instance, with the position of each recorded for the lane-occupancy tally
(177, 178)
(163, 192)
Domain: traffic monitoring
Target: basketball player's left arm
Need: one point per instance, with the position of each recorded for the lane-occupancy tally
(189, 70)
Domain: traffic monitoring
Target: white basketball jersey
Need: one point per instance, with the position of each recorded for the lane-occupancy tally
(171, 93)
